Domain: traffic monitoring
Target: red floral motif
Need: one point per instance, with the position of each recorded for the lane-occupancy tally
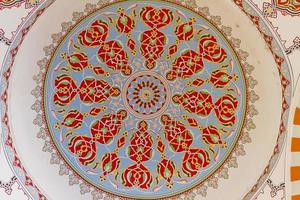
(194, 160)
(66, 90)
(186, 65)
(73, 119)
(137, 175)
(191, 121)
(124, 23)
(95, 35)
(140, 148)
(225, 109)
(96, 110)
(12, 3)
(84, 149)
(185, 31)
(131, 45)
(211, 135)
(178, 136)
(152, 46)
(221, 79)
(78, 61)
(211, 50)
(172, 50)
(113, 55)
(166, 169)
(160, 145)
(107, 127)
(98, 70)
(198, 82)
(109, 163)
(155, 17)
(195, 102)
(96, 91)
(291, 7)
(122, 140)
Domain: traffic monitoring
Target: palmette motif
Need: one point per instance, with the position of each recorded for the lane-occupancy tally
(195, 102)
(184, 94)
(105, 129)
(186, 65)
(84, 148)
(94, 35)
(66, 90)
(90, 90)
(179, 138)
(110, 163)
(113, 55)
(137, 175)
(153, 41)
(73, 119)
(185, 31)
(194, 160)
(140, 148)
(77, 61)
(211, 50)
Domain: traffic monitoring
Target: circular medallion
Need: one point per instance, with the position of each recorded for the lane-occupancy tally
(145, 102)
(146, 94)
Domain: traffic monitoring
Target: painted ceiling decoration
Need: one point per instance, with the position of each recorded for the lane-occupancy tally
(289, 6)
(160, 125)
(149, 100)
(4, 4)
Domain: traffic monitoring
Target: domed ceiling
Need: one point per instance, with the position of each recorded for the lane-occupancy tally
(149, 100)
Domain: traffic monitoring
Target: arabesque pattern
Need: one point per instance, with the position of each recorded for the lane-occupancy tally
(147, 100)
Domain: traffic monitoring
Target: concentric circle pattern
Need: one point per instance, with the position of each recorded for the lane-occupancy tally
(146, 94)
(145, 100)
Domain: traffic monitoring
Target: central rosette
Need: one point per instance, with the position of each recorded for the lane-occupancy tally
(146, 94)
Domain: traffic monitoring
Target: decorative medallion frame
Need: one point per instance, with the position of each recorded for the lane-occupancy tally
(201, 189)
